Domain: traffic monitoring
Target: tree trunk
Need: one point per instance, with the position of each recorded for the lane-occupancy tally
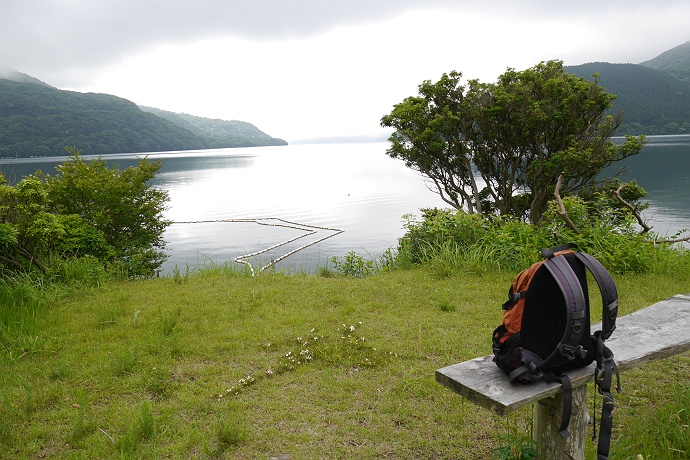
(540, 202)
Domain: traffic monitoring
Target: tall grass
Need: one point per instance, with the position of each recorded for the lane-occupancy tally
(23, 303)
(451, 241)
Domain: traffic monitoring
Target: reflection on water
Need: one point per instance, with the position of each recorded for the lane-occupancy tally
(353, 187)
(663, 170)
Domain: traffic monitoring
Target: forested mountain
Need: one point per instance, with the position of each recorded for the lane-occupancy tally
(37, 119)
(675, 62)
(653, 101)
(219, 133)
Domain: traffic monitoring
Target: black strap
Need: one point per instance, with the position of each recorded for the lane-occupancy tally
(603, 377)
(574, 296)
(528, 372)
(567, 400)
(609, 293)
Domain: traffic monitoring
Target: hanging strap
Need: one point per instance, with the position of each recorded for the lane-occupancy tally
(567, 391)
(603, 377)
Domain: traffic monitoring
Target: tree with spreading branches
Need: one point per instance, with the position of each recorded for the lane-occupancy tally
(514, 138)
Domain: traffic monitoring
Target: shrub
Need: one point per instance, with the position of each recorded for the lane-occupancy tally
(449, 241)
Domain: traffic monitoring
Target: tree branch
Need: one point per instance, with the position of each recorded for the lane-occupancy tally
(645, 228)
(617, 193)
(561, 209)
(12, 262)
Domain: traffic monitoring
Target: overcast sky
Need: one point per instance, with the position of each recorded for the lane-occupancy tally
(314, 68)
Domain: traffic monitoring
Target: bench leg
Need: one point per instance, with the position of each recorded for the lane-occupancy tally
(547, 420)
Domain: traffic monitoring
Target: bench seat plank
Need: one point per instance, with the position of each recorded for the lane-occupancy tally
(655, 332)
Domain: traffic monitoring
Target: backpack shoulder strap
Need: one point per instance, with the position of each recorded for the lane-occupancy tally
(576, 306)
(609, 294)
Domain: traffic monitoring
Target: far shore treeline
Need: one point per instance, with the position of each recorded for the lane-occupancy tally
(39, 120)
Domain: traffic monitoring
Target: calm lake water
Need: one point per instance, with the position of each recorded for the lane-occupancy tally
(332, 198)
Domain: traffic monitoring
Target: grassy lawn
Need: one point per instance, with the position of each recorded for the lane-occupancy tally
(300, 367)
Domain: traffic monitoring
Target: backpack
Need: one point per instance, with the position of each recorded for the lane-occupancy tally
(546, 329)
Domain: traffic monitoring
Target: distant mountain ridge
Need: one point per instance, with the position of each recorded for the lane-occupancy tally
(37, 119)
(219, 133)
(675, 62)
(654, 95)
(652, 101)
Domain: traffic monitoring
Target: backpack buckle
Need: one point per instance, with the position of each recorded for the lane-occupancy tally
(569, 351)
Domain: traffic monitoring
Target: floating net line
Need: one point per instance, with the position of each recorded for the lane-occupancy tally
(273, 222)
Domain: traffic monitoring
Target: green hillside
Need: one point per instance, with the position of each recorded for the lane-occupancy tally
(37, 119)
(675, 62)
(653, 101)
(219, 133)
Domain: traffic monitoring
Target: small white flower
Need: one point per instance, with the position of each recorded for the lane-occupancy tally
(352, 329)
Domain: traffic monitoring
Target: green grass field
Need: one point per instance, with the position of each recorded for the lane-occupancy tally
(220, 365)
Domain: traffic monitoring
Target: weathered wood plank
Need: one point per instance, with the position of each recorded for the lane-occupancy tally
(655, 332)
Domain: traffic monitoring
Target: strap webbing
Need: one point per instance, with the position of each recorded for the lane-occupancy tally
(603, 377)
(609, 293)
(567, 400)
(574, 297)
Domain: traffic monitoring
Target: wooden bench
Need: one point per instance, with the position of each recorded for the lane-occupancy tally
(658, 331)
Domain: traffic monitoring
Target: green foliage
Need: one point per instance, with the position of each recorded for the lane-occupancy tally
(23, 302)
(353, 264)
(119, 203)
(655, 100)
(80, 239)
(516, 447)
(433, 135)
(519, 135)
(85, 211)
(451, 241)
(668, 421)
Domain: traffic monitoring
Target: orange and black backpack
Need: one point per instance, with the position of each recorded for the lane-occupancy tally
(546, 329)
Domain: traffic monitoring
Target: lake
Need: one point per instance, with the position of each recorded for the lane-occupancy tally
(329, 199)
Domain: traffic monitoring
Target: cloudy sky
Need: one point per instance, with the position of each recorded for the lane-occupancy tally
(314, 68)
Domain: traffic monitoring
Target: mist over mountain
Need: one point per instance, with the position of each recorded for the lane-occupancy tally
(37, 119)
